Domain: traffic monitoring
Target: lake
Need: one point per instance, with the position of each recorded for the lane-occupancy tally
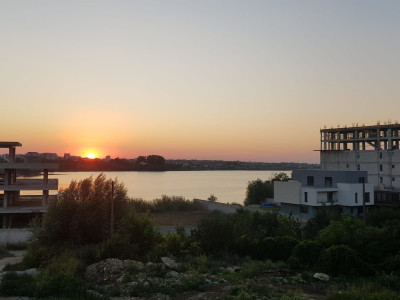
(227, 186)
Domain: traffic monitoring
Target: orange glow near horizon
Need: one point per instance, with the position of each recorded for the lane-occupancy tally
(91, 155)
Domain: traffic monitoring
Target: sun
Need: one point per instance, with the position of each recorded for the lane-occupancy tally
(91, 155)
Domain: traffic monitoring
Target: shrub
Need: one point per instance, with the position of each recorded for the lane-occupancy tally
(307, 253)
(17, 285)
(81, 214)
(342, 260)
(136, 238)
(277, 248)
(392, 264)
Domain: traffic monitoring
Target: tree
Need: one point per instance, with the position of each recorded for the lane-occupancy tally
(81, 213)
(282, 176)
(258, 191)
(212, 198)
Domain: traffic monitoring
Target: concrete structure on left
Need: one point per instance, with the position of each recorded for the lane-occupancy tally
(23, 197)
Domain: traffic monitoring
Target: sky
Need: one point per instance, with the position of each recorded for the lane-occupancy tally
(222, 79)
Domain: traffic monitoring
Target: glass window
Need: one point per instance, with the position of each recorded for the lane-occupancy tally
(366, 197)
(328, 181)
(356, 198)
(304, 209)
(305, 197)
(310, 180)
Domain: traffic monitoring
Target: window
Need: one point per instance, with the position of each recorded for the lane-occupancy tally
(381, 179)
(328, 181)
(361, 180)
(380, 155)
(305, 197)
(393, 179)
(351, 210)
(356, 198)
(347, 166)
(366, 197)
(392, 166)
(380, 168)
(310, 180)
(304, 209)
(330, 197)
(358, 167)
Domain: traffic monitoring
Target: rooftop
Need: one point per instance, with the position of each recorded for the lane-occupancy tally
(9, 144)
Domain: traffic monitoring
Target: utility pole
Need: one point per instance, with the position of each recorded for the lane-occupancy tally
(363, 198)
(112, 208)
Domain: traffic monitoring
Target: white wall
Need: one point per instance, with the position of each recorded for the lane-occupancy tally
(14, 236)
(346, 194)
(287, 192)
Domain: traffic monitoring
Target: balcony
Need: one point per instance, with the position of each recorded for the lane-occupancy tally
(30, 185)
(29, 166)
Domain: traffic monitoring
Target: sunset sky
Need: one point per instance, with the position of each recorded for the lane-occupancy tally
(231, 80)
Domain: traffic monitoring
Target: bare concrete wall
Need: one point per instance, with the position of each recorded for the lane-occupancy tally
(14, 236)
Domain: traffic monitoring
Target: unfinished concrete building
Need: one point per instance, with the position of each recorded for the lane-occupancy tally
(21, 197)
(374, 149)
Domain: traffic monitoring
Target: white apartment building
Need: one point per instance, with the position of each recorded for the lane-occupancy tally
(309, 190)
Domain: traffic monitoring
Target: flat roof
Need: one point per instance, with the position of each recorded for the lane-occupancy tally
(368, 127)
(9, 144)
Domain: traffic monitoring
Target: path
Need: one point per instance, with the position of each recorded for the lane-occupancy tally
(9, 261)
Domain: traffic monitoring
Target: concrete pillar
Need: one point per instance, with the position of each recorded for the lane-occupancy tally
(338, 140)
(45, 198)
(5, 199)
(11, 155)
(389, 136)
(4, 221)
(45, 176)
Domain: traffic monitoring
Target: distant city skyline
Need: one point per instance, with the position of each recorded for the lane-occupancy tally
(220, 80)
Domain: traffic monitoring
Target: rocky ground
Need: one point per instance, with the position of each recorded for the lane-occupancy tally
(128, 279)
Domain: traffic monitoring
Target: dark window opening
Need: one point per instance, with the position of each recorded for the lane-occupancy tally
(330, 197)
(328, 181)
(310, 180)
(304, 209)
(356, 198)
(366, 197)
(380, 168)
(305, 197)
(361, 180)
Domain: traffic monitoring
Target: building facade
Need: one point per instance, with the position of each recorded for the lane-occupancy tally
(309, 190)
(375, 149)
(23, 198)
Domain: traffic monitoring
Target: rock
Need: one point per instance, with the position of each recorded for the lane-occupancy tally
(137, 264)
(233, 269)
(172, 274)
(108, 270)
(321, 276)
(169, 263)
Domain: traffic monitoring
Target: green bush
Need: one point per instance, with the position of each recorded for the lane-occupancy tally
(17, 285)
(136, 238)
(307, 253)
(342, 260)
(392, 264)
(81, 214)
(277, 248)
(165, 203)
